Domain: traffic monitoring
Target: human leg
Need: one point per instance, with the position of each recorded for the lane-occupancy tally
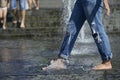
(13, 6)
(37, 4)
(99, 34)
(103, 45)
(23, 7)
(16, 16)
(4, 17)
(76, 21)
(1, 13)
(22, 25)
(29, 3)
(74, 26)
(34, 3)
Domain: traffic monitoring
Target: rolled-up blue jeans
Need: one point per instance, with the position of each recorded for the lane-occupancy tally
(89, 10)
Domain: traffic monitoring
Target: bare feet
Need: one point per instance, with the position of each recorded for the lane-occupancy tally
(55, 65)
(103, 66)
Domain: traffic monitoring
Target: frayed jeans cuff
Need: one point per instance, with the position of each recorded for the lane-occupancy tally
(65, 57)
(107, 58)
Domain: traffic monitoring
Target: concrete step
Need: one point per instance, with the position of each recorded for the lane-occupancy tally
(43, 17)
(45, 23)
(42, 32)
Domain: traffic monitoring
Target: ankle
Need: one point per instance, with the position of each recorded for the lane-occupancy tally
(107, 63)
(60, 59)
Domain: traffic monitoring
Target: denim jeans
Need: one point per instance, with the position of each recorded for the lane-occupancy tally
(23, 4)
(89, 10)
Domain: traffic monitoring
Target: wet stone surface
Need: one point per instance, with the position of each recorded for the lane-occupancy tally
(22, 59)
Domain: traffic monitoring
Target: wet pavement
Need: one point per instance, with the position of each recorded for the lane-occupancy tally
(22, 59)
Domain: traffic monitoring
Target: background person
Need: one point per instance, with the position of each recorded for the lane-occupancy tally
(23, 4)
(3, 12)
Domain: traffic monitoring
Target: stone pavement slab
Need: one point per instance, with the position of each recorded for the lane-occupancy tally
(22, 59)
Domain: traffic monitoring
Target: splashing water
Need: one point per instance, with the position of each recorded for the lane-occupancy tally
(85, 33)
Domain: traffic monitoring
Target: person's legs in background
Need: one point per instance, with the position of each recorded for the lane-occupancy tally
(37, 4)
(4, 17)
(22, 25)
(1, 13)
(30, 4)
(13, 6)
(23, 8)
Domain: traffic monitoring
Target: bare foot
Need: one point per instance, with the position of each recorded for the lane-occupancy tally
(37, 8)
(104, 66)
(55, 65)
(15, 21)
(4, 28)
(22, 26)
(29, 8)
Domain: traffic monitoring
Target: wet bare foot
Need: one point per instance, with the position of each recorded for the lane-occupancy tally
(103, 66)
(55, 65)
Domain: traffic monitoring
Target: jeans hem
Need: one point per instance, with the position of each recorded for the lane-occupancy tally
(63, 56)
